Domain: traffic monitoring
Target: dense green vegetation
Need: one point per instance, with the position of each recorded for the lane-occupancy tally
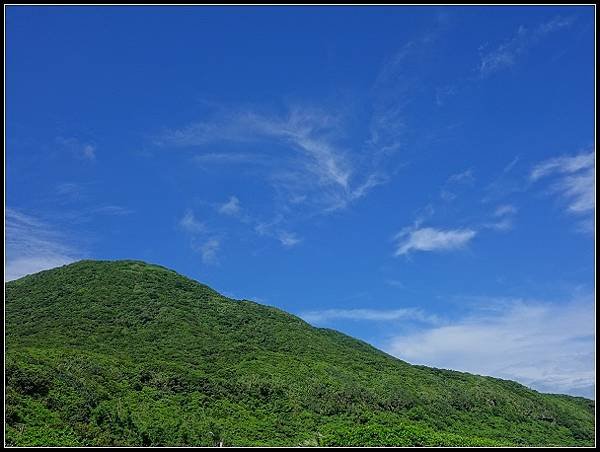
(126, 353)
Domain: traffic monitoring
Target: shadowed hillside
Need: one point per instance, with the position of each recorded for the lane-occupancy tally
(126, 353)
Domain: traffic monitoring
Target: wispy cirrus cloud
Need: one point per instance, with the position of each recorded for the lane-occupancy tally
(509, 181)
(547, 346)
(431, 239)
(310, 163)
(277, 230)
(398, 84)
(33, 245)
(503, 218)
(509, 52)
(464, 177)
(111, 209)
(380, 315)
(454, 181)
(69, 192)
(288, 239)
(564, 165)
(304, 151)
(318, 158)
(504, 210)
(573, 178)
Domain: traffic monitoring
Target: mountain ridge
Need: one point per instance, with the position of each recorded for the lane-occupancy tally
(130, 353)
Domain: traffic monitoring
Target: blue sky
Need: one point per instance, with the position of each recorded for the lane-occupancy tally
(421, 178)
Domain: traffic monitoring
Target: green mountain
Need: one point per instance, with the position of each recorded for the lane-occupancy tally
(126, 353)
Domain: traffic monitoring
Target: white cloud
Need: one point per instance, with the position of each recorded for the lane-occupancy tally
(275, 230)
(395, 283)
(190, 224)
(574, 179)
(77, 148)
(564, 164)
(504, 217)
(33, 246)
(209, 249)
(507, 54)
(504, 224)
(462, 177)
(430, 239)
(505, 209)
(288, 239)
(373, 180)
(231, 207)
(111, 210)
(549, 347)
(383, 315)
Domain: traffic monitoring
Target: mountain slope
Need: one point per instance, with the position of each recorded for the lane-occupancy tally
(126, 353)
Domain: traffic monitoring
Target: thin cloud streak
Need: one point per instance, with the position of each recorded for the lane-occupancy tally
(288, 239)
(504, 218)
(508, 53)
(431, 239)
(382, 315)
(33, 245)
(573, 178)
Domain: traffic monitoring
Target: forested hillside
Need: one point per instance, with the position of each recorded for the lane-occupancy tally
(126, 353)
